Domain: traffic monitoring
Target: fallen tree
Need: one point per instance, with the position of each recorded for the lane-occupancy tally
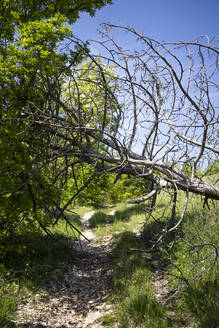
(155, 118)
(165, 111)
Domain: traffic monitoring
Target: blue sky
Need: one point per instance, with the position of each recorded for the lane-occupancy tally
(164, 20)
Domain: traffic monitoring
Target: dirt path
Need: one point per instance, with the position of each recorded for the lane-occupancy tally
(77, 298)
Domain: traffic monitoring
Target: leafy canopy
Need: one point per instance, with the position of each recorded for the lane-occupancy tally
(32, 37)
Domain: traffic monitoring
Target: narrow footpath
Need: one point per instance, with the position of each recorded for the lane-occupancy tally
(76, 298)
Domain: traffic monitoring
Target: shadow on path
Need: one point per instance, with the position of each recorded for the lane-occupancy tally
(76, 296)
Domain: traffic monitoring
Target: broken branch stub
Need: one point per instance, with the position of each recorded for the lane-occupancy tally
(150, 112)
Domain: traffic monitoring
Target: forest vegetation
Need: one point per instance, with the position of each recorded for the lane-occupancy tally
(82, 131)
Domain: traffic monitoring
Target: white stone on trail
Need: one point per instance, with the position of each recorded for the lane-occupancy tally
(87, 216)
(112, 212)
(87, 232)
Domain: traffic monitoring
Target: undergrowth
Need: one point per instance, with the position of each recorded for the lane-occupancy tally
(126, 217)
(33, 264)
(188, 258)
(131, 287)
(8, 302)
(195, 257)
(188, 255)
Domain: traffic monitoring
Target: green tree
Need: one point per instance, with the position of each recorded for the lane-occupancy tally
(86, 91)
(31, 36)
(213, 168)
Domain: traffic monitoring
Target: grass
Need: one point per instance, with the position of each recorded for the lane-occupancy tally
(187, 253)
(34, 266)
(8, 304)
(82, 210)
(131, 280)
(99, 218)
(107, 320)
(196, 257)
(131, 286)
(201, 299)
(126, 217)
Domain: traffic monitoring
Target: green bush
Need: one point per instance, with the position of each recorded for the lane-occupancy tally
(99, 218)
(131, 285)
(188, 252)
(8, 302)
(142, 308)
(202, 300)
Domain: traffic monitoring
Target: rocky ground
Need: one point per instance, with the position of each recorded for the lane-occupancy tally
(77, 298)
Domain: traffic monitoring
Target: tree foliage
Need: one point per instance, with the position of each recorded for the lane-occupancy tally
(65, 122)
(32, 62)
